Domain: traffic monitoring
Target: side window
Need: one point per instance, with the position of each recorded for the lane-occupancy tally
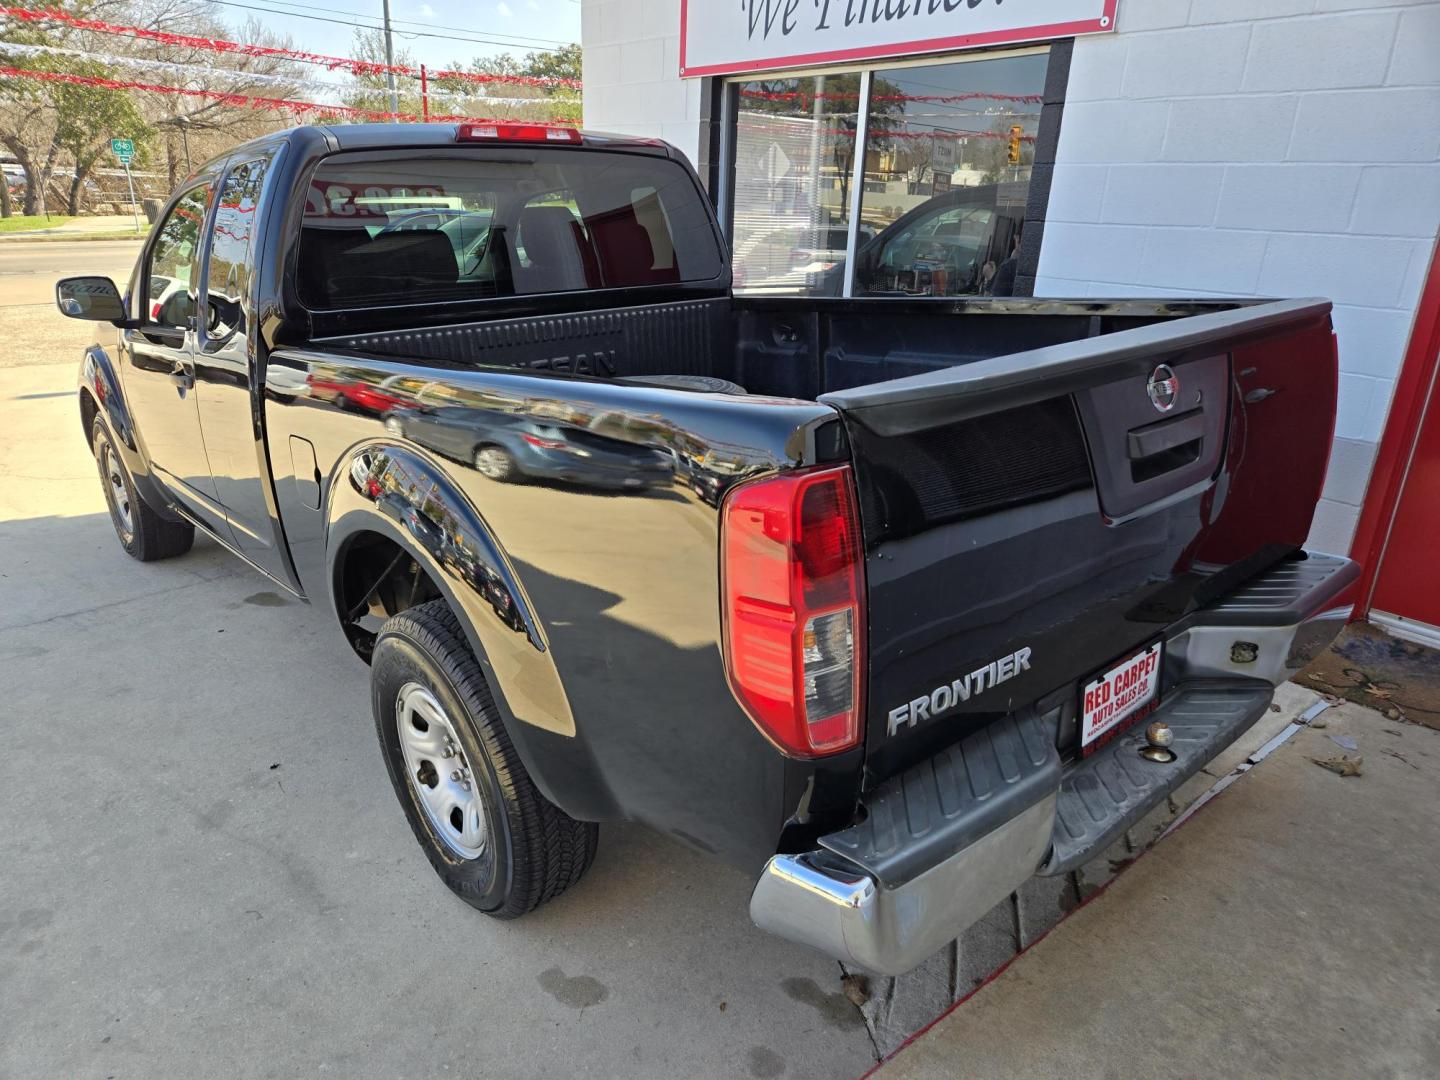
(169, 291)
(228, 283)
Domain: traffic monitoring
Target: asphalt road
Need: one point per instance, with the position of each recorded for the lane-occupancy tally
(28, 269)
(203, 871)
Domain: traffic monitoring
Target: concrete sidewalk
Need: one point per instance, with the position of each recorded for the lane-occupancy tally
(98, 226)
(1286, 930)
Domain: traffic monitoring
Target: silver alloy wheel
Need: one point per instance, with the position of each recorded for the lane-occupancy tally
(492, 462)
(438, 771)
(119, 494)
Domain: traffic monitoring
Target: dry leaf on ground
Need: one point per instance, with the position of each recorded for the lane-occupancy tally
(1344, 765)
(857, 989)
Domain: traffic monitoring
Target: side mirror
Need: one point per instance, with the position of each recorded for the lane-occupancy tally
(93, 298)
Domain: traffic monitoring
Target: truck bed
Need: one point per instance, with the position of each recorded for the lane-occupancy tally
(1015, 485)
(796, 347)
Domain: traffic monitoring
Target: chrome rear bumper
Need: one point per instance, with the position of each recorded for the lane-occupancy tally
(812, 899)
(888, 907)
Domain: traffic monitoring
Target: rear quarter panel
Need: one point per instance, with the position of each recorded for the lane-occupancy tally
(612, 685)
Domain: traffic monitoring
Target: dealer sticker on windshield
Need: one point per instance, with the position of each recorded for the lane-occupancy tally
(1117, 695)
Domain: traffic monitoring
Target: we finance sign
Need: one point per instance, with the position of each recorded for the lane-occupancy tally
(722, 37)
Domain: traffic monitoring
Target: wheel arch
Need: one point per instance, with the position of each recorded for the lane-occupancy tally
(100, 387)
(467, 567)
(100, 392)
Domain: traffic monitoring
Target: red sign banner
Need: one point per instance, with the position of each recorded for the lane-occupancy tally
(767, 35)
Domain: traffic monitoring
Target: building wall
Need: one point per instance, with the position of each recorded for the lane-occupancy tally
(1268, 148)
(632, 72)
(1208, 148)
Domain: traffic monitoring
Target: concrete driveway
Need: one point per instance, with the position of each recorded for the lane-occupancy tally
(1286, 930)
(205, 872)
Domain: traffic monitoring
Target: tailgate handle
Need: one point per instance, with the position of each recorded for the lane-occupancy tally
(1152, 439)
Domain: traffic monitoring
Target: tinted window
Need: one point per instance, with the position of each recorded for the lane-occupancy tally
(466, 227)
(235, 220)
(170, 296)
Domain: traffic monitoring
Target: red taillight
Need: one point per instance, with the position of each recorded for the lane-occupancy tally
(517, 133)
(794, 608)
(544, 444)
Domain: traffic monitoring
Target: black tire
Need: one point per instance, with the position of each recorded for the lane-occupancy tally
(503, 469)
(145, 535)
(533, 850)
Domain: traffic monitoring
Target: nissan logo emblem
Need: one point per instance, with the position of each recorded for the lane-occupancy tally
(1163, 388)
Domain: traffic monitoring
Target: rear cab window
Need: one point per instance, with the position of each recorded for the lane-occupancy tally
(388, 229)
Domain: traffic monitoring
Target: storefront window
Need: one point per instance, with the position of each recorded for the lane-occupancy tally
(946, 174)
(948, 154)
(794, 161)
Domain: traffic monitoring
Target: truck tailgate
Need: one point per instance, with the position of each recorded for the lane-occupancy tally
(1032, 519)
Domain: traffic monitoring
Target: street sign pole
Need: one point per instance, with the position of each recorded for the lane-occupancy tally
(124, 149)
(134, 209)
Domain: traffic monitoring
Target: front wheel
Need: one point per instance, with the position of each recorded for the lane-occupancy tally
(492, 837)
(143, 533)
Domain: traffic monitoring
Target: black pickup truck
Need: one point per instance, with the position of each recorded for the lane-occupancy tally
(870, 596)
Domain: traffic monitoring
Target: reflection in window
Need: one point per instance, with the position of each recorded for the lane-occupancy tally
(948, 154)
(168, 298)
(229, 279)
(794, 159)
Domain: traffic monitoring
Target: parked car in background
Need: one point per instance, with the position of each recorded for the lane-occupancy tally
(352, 393)
(15, 179)
(511, 447)
(950, 245)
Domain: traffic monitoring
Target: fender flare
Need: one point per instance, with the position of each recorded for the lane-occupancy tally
(99, 379)
(459, 552)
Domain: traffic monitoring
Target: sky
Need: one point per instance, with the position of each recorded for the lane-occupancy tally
(492, 26)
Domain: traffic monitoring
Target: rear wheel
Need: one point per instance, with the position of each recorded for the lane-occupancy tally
(143, 533)
(492, 837)
(494, 462)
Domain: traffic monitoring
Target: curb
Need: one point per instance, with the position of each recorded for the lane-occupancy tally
(57, 237)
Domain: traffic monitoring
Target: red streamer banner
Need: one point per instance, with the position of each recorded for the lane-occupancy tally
(357, 67)
(751, 123)
(943, 99)
(300, 108)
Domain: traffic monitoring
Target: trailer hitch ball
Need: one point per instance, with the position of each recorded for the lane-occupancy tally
(1244, 652)
(1158, 737)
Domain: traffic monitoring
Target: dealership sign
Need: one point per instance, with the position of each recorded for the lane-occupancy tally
(720, 37)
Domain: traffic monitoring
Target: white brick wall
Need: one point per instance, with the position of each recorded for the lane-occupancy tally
(1261, 147)
(631, 72)
(1208, 148)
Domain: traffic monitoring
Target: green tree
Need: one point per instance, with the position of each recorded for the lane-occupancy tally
(372, 92)
(27, 113)
(454, 96)
(561, 63)
(87, 118)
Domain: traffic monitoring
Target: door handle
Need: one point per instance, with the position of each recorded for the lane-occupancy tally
(166, 336)
(1165, 435)
(182, 378)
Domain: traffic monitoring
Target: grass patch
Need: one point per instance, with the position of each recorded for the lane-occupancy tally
(22, 222)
